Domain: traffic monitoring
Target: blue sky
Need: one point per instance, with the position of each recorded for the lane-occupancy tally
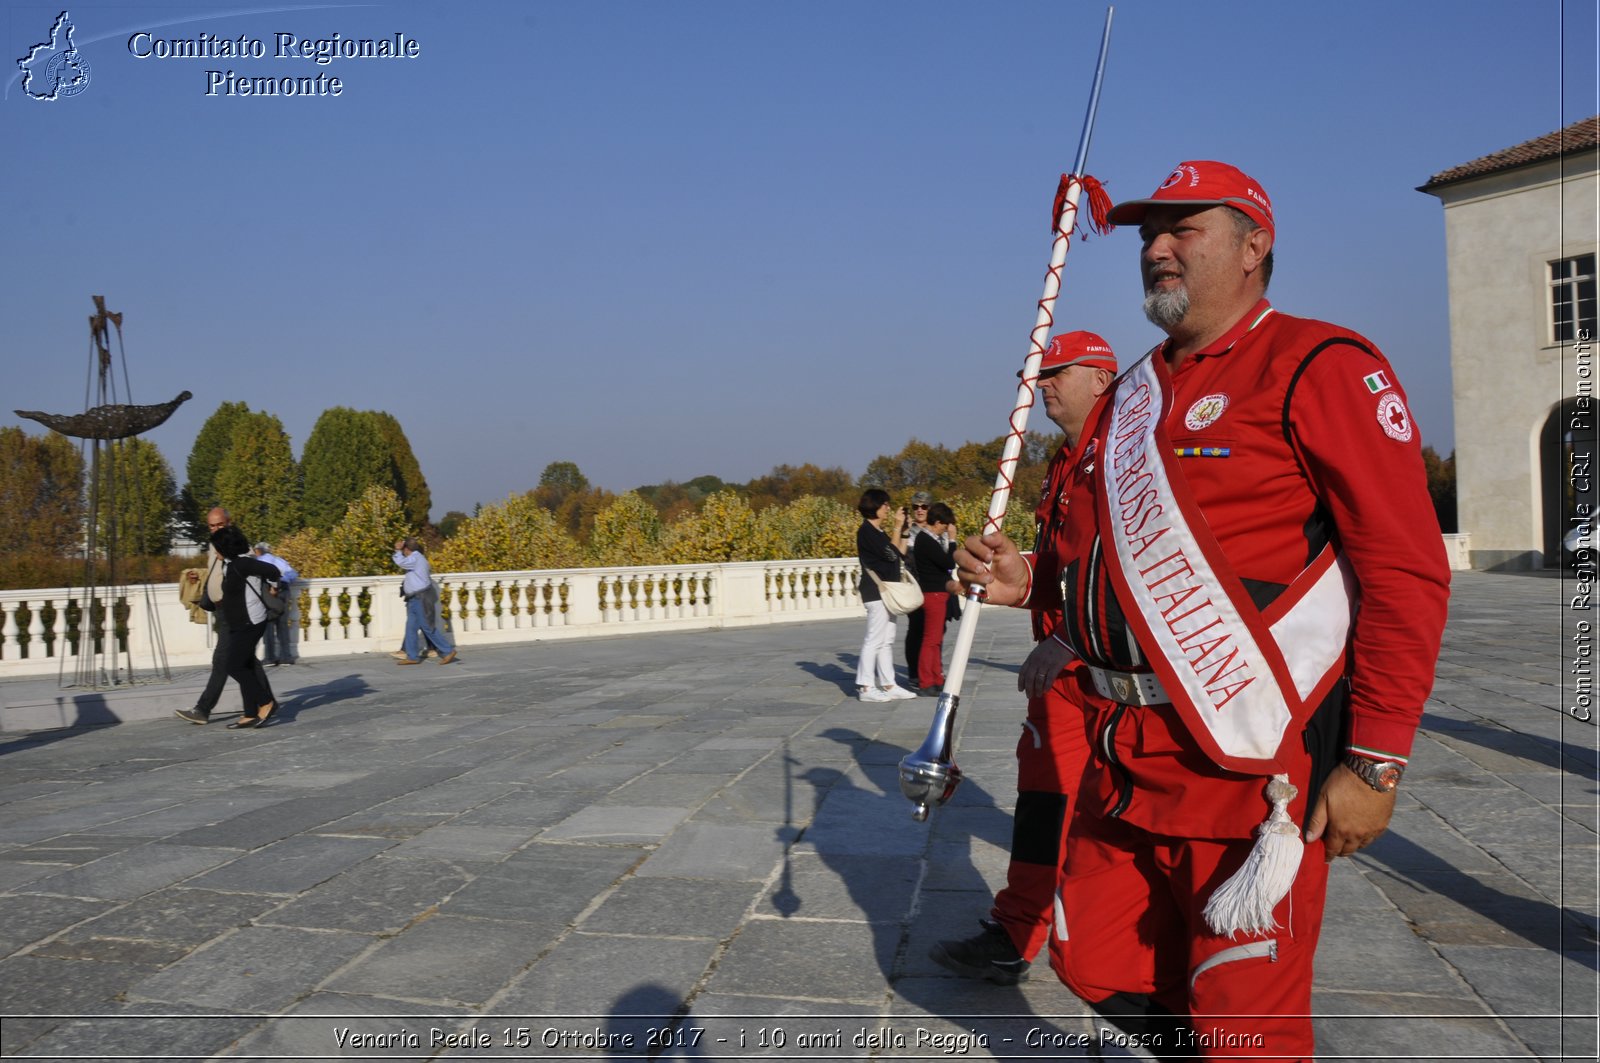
(676, 238)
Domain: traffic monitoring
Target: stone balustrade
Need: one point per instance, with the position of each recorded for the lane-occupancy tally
(365, 614)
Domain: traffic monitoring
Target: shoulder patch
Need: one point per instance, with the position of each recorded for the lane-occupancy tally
(1394, 418)
(1378, 382)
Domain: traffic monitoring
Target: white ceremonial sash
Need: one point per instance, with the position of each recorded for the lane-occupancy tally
(1237, 676)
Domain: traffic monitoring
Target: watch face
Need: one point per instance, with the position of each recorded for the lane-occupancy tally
(1383, 776)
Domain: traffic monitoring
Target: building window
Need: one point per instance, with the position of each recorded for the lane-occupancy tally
(1572, 298)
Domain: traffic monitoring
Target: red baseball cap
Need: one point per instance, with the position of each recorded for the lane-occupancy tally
(1077, 348)
(1202, 184)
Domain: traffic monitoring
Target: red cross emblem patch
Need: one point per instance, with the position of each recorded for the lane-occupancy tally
(1394, 418)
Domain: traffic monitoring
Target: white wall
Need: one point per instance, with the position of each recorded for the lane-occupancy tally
(1501, 231)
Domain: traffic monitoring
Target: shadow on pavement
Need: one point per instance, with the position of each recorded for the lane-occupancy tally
(1583, 761)
(943, 893)
(35, 739)
(651, 1020)
(842, 675)
(345, 688)
(1549, 926)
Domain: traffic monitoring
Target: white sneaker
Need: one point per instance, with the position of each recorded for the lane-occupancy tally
(899, 693)
(874, 694)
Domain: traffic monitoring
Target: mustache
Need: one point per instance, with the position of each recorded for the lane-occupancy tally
(1151, 272)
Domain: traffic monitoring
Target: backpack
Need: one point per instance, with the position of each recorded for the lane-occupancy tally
(275, 600)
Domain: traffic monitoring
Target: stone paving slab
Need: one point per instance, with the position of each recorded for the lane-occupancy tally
(703, 831)
(345, 1026)
(670, 968)
(256, 970)
(143, 1031)
(382, 896)
(33, 919)
(133, 872)
(451, 959)
(293, 865)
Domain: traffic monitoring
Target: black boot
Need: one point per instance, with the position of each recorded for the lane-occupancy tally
(988, 954)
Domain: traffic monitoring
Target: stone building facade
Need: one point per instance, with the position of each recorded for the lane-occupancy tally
(1520, 236)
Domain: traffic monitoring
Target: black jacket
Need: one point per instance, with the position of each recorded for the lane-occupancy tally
(878, 555)
(237, 593)
(932, 561)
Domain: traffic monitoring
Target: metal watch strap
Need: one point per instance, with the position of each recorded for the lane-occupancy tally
(1376, 772)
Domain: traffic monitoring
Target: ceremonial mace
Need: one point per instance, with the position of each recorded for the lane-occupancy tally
(929, 776)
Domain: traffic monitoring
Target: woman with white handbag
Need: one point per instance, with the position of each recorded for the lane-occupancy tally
(885, 593)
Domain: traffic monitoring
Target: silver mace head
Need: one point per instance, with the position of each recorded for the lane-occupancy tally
(929, 775)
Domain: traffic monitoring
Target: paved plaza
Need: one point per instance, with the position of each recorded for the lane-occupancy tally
(694, 845)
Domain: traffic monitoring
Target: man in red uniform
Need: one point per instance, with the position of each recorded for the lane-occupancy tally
(1255, 477)
(1074, 373)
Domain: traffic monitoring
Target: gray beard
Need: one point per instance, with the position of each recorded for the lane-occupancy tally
(1165, 309)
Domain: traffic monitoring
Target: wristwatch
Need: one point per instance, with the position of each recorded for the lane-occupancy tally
(1382, 775)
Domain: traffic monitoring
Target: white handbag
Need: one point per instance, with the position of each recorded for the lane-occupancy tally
(900, 597)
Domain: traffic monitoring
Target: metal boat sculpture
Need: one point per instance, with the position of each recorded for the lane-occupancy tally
(116, 421)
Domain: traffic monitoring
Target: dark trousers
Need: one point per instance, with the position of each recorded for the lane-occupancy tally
(220, 656)
(243, 667)
(219, 670)
(915, 623)
(275, 637)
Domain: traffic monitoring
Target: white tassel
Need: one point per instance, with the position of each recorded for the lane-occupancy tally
(1244, 903)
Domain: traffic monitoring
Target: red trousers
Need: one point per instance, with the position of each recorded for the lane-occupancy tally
(1132, 905)
(930, 658)
(1051, 755)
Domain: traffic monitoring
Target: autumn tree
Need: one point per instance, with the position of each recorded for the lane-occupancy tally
(788, 483)
(810, 527)
(724, 529)
(971, 515)
(918, 465)
(41, 494)
(451, 522)
(362, 542)
(138, 503)
(675, 500)
(560, 479)
(506, 537)
(1441, 473)
(567, 495)
(205, 459)
(258, 481)
(627, 532)
(308, 551)
(960, 473)
(345, 454)
(413, 489)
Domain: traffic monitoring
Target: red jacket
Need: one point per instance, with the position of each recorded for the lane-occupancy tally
(1050, 517)
(1320, 446)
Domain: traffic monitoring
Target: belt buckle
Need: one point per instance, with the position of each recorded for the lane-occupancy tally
(1125, 690)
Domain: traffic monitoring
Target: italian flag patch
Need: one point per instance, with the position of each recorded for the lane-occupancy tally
(1377, 382)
